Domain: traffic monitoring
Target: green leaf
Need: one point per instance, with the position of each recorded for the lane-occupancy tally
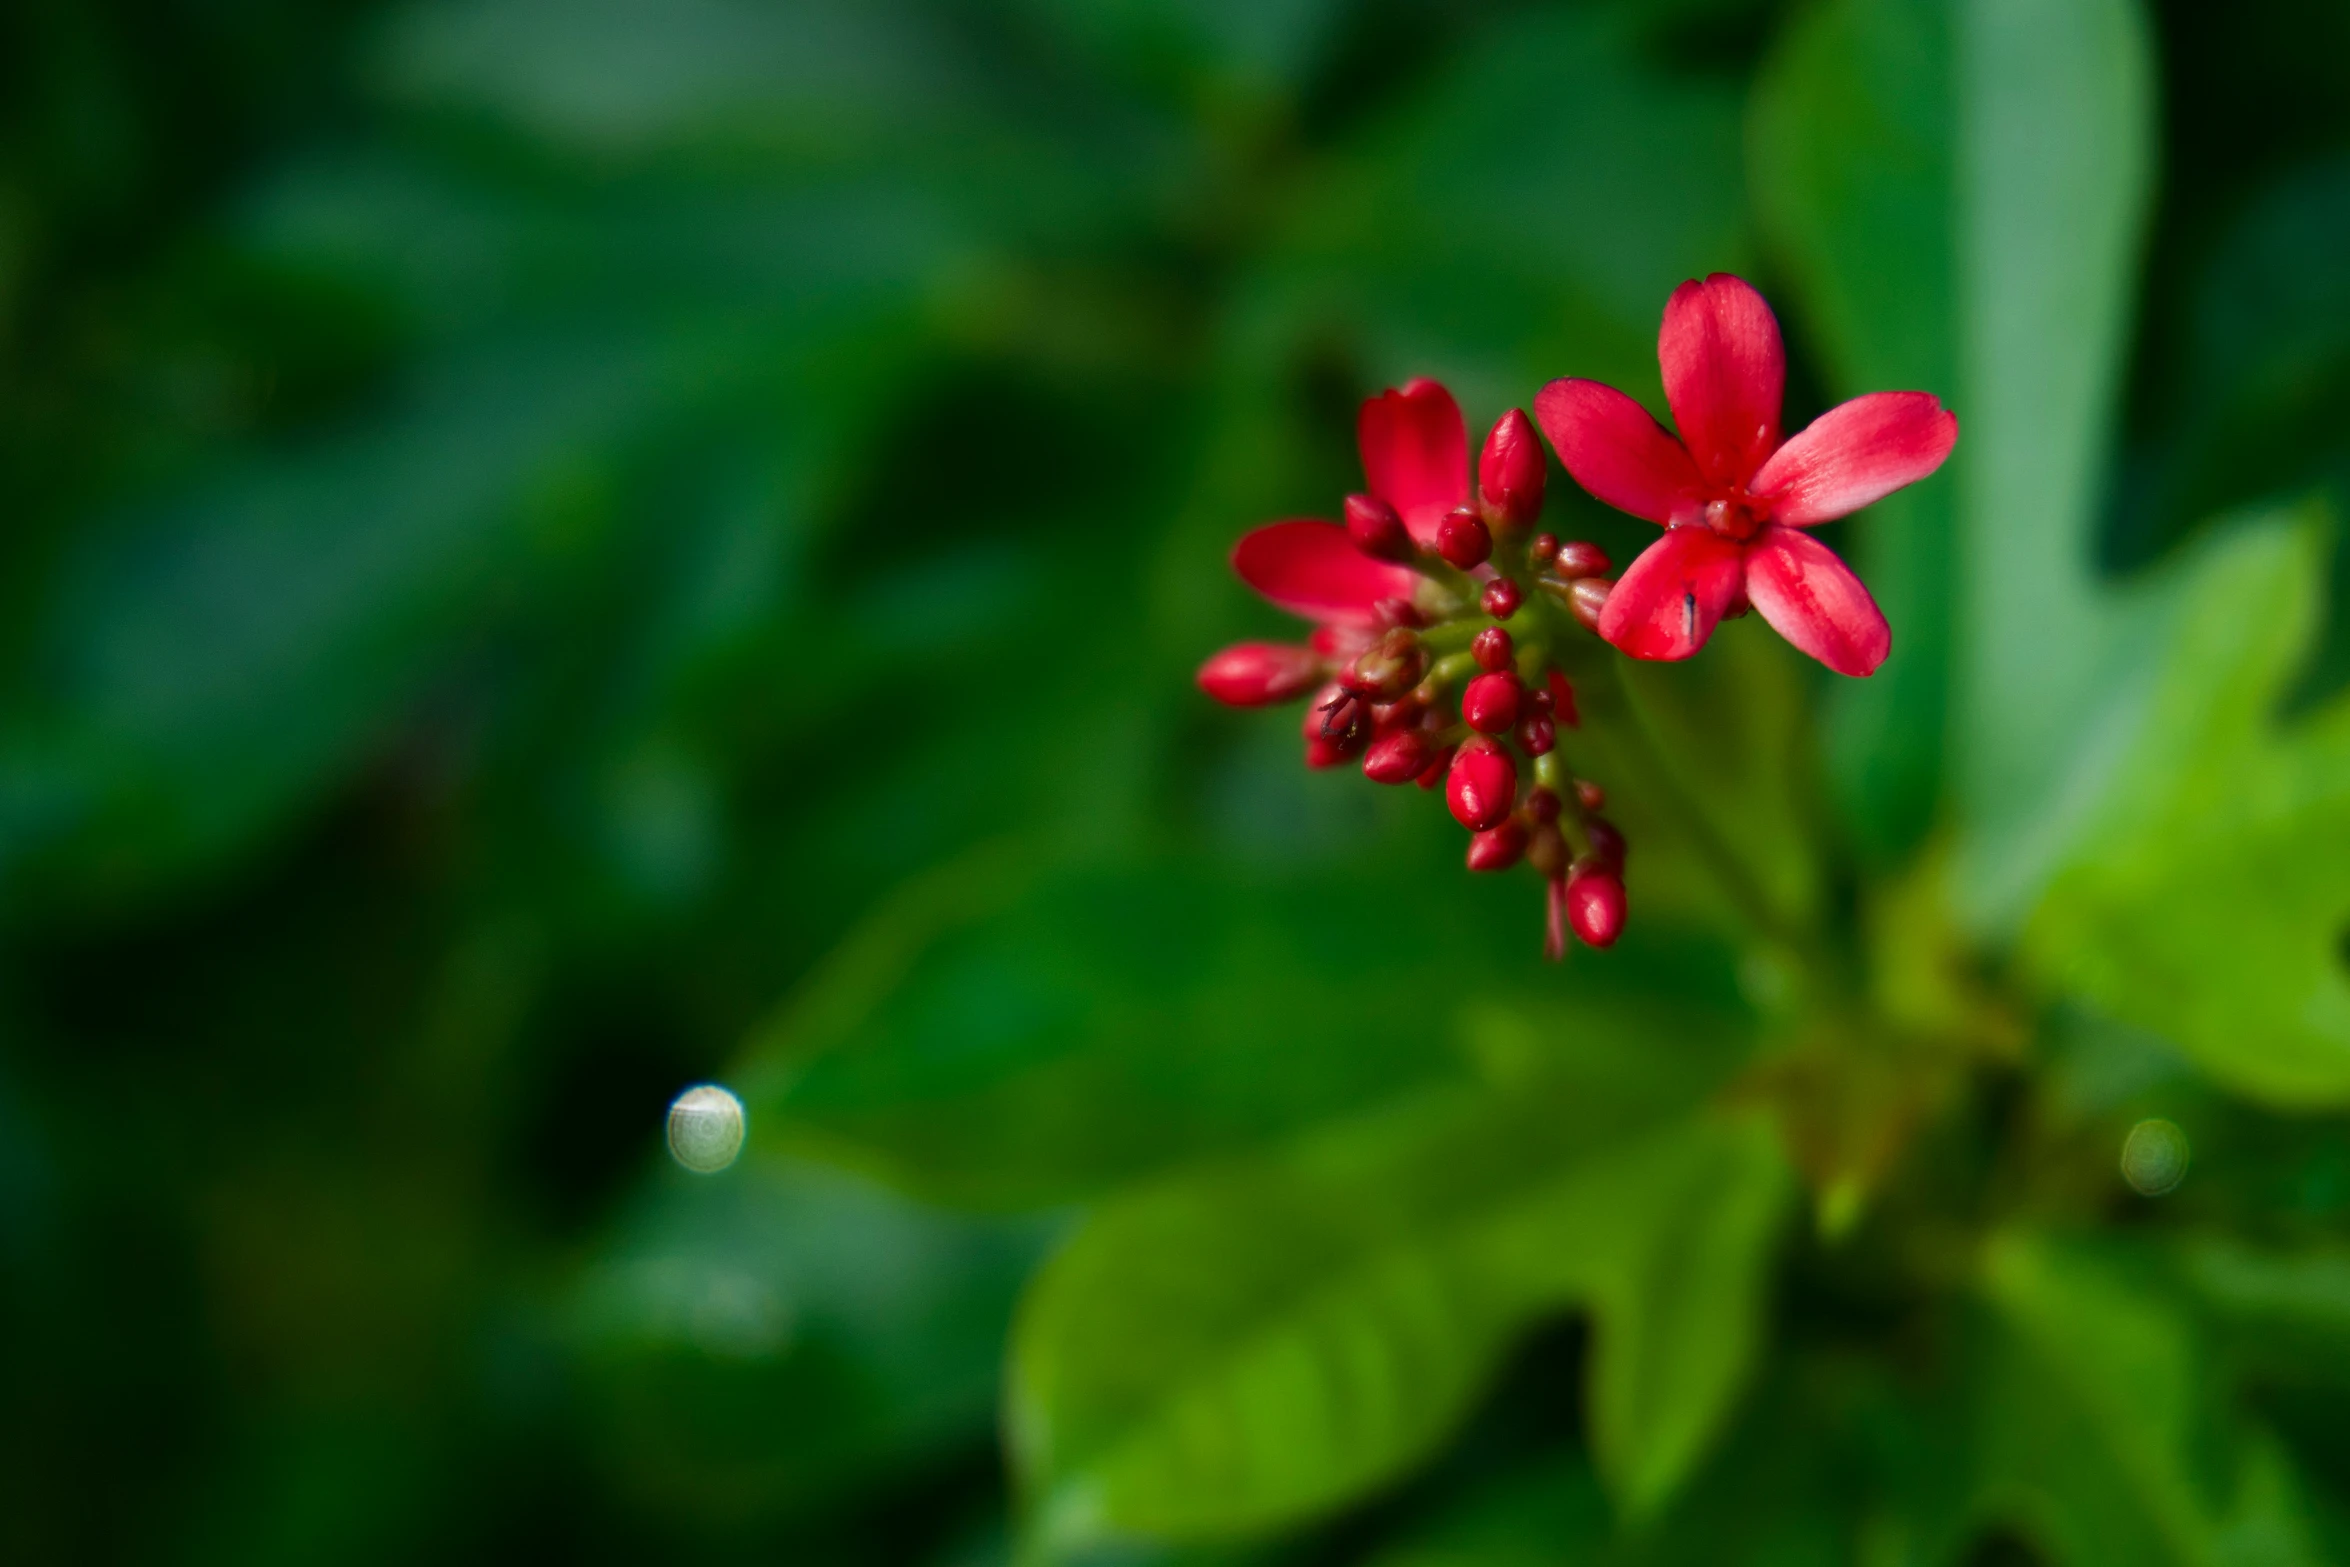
(1960, 189)
(2055, 171)
(1015, 1030)
(1722, 776)
(1851, 156)
(1233, 1350)
(2097, 1433)
(2196, 904)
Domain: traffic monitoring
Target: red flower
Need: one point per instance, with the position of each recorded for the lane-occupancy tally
(1733, 496)
(1416, 454)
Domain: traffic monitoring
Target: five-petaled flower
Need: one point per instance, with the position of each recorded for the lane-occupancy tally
(1732, 496)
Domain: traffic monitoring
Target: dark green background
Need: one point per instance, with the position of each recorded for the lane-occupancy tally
(554, 549)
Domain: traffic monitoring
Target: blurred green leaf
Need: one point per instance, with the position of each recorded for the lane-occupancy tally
(2097, 1430)
(1985, 237)
(1851, 150)
(1014, 1030)
(762, 1338)
(1255, 1343)
(1524, 218)
(1721, 776)
(2194, 905)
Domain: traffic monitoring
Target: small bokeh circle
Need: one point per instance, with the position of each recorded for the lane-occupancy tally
(705, 1128)
(2154, 1157)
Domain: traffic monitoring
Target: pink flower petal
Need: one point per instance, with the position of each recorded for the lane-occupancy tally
(1725, 370)
(1855, 453)
(1313, 569)
(1416, 454)
(1615, 448)
(1812, 598)
(1668, 603)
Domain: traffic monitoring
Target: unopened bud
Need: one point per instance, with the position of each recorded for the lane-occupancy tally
(1388, 667)
(1492, 648)
(1547, 852)
(1398, 612)
(1562, 700)
(1537, 733)
(1497, 848)
(1595, 905)
(1501, 598)
(1542, 551)
(1607, 844)
(1337, 727)
(1481, 786)
(1376, 528)
(1250, 674)
(1489, 704)
(1438, 768)
(1591, 795)
(1580, 559)
(1398, 757)
(1587, 597)
(1463, 539)
(1542, 805)
(1511, 471)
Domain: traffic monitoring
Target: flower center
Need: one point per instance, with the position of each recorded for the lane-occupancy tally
(1736, 515)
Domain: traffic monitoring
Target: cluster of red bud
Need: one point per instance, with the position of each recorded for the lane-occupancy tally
(1453, 681)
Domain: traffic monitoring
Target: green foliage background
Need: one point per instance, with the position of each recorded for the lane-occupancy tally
(558, 548)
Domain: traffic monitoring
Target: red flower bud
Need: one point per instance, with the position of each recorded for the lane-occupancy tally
(1492, 648)
(1437, 768)
(1501, 598)
(1489, 705)
(1607, 845)
(1511, 471)
(1595, 906)
(1497, 848)
(1543, 550)
(1562, 700)
(1376, 528)
(1481, 785)
(1337, 727)
(1587, 597)
(1537, 734)
(1388, 668)
(1398, 612)
(1250, 674)
(1463, 539)
(1593, 797)
(1542, 805)
(1580, 559)
(1398, 757)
